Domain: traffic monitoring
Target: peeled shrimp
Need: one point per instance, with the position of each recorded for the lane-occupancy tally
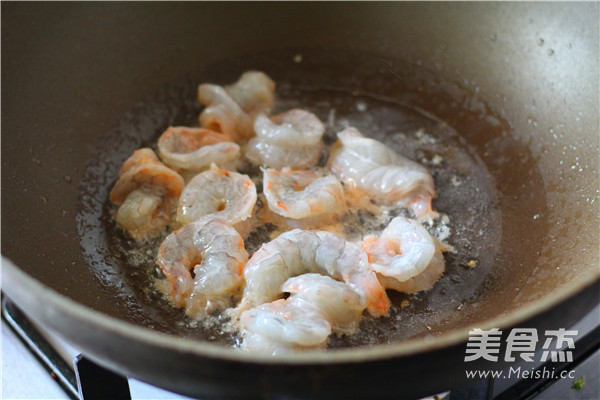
(378, 170)
(405, 256)
(195, 149)
(284, 326)
(300, 194)
(223, 194)
(291, 139)
(254, 92)
(318, 306)
(257, 343)
(146, 194)
(297, 252)
(340, 304)
(232, 109)
(215, 251)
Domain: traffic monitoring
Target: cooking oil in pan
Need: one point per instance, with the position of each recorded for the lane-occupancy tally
(385, 106)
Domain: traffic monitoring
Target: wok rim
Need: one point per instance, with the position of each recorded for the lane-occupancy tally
(21, 280)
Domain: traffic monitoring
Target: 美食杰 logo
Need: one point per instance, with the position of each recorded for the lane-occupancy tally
(521, 343)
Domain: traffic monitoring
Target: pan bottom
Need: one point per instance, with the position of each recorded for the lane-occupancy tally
(383, 105)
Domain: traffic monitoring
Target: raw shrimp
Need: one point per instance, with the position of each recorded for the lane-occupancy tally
(405, 256)
(257, 343)
(318, 306)
(341, 305)
(291, 139)
(215, 251)
(223, 114)
(297, 252)
(254, 92)
(378, 170)
(223, 194)
(300, 194)
(232, 109)
(292, 129)
(195, 149)
(284, 326)
(146, 194)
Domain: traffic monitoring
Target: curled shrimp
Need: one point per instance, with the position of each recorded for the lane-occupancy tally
(299, 251)
(405, 256)
(284, 326)
(378, 170)
(223, 194)
(254, 91)
(318, 306)
(301, 194)
(146, 194)
(195, 149)
(341, 305)
(291, 139)
(216, 254)
(232, 109)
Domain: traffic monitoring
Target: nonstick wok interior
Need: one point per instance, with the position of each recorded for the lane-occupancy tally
(466, 189)
(519, 82)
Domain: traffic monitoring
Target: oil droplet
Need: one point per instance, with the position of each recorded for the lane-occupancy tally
(493, 37)
(437, 159)
(540, 42)
(361, 105)
(298, 58)
(550, 52)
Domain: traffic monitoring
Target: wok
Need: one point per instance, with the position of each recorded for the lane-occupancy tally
(517, 81)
